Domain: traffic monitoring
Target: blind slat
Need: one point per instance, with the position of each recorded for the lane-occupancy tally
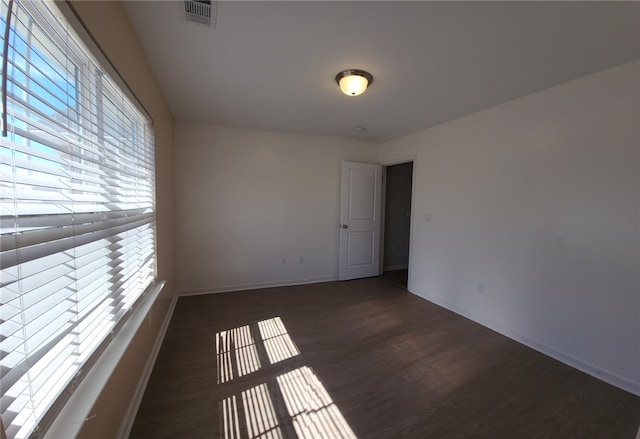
(29, 242)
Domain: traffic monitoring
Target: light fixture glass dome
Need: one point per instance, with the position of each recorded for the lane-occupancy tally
(353, 82)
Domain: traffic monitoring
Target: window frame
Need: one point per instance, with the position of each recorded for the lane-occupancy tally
(97, 368)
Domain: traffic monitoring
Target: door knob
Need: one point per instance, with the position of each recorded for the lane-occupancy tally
(344, 226)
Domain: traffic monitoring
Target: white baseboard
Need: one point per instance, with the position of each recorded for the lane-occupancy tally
(134, 405)
(255, 286)
(395, 267)
(583, 366)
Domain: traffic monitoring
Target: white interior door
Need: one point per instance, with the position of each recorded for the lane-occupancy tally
(360, 220)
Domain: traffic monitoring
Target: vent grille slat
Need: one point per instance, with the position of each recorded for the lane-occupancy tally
(199, 11)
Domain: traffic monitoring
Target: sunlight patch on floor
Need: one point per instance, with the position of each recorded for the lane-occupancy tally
(236, 353)
(293, 402)
(229, 425)
(277, 341)
(262, 421)
(312, 410)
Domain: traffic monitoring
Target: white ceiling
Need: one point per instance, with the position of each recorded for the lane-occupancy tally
(271, 65)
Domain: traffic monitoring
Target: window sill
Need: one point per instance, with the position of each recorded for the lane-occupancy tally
(77, 409)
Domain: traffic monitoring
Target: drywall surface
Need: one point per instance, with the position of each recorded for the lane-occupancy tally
(258, 208)
(534, 220)
(397, 217)
(110, 28)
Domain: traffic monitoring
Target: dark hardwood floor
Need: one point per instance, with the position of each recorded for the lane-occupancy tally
(363, 359)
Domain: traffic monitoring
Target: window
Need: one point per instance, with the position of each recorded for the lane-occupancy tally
(77, 211)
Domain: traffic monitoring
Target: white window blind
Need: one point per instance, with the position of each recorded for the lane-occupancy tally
(77, 211)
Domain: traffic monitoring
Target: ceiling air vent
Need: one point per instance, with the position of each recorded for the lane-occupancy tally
(200, 11)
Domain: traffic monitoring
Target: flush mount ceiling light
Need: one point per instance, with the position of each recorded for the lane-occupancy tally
(353, 82)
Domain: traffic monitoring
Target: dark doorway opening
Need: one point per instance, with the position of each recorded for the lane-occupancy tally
(397, 222)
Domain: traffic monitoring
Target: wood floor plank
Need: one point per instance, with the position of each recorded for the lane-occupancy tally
(392, 364)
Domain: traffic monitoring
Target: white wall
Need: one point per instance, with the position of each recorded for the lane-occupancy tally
(538, 199)
(246, 199)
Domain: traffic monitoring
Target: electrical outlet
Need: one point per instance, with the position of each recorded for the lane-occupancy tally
(301, 260)
(481, 288)
(283, 261)
(427, 217)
